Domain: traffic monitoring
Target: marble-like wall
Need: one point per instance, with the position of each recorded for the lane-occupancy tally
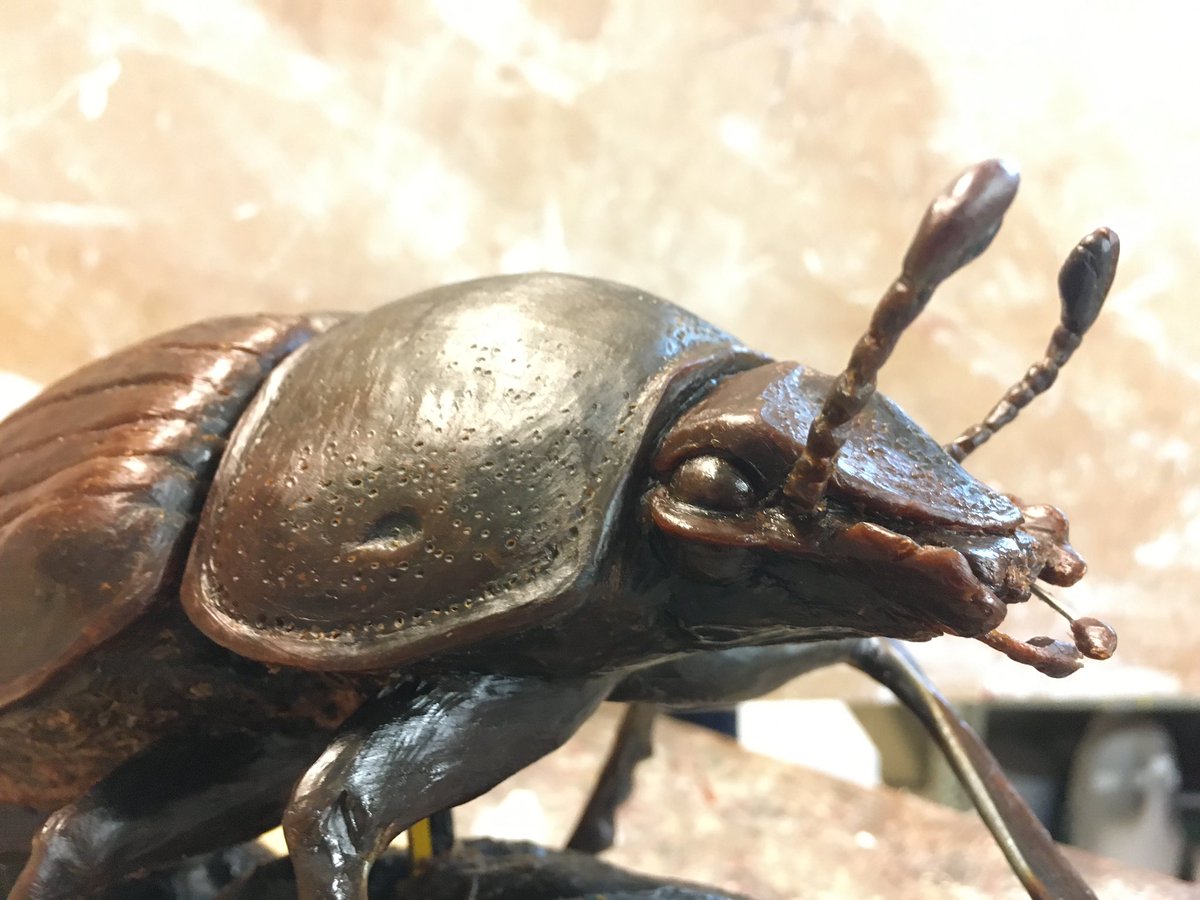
(762, 163)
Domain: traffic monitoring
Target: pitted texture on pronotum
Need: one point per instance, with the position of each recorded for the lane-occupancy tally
(442, 532)
(455, 476)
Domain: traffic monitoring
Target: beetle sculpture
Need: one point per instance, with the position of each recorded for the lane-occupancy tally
(347, 571)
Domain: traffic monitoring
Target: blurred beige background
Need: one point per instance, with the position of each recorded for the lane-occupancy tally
(761, 163)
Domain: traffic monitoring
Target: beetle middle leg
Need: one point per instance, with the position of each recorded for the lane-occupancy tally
(634, 743)
(718, 678)
(724, 677)
(424, 747)
(186, 794)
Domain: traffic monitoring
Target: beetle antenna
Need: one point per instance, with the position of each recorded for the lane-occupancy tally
(956, 228)
(1083, 284)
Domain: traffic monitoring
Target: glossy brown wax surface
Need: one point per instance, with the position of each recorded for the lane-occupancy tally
(761, 164)
(445, 468)
(101, 477)
(888, 465)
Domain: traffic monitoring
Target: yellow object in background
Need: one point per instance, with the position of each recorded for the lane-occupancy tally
(420, 844)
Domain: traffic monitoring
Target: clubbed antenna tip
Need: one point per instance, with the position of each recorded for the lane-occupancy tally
(1083, 285)
(956, 228)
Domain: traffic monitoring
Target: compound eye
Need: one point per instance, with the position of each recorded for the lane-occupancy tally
(712, 482)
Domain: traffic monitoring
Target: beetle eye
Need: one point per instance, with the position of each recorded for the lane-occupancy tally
(712, 482)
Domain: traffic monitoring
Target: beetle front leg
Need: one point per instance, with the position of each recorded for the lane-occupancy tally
(425, 747)
(1034, 857)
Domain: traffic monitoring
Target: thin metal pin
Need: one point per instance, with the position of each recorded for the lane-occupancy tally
(1052, 603)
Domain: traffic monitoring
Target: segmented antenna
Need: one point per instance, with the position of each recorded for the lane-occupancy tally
(1083, 284)
(957, 227)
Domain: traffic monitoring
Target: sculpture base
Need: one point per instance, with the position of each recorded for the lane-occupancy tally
(491, 870)
(479, 869)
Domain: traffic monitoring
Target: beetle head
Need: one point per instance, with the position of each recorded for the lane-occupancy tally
(835, 514)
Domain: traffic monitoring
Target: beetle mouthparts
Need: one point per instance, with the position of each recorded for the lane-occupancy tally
(1058, 659)
(1093, 639)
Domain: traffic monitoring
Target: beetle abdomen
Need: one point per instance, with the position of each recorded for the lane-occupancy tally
(102, 476)
(440, 470)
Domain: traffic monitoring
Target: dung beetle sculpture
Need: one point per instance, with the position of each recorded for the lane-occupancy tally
(346, 572)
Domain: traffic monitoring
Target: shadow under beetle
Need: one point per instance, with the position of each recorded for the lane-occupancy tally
(346, 571)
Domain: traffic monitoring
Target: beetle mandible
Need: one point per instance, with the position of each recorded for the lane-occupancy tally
(346, 571)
